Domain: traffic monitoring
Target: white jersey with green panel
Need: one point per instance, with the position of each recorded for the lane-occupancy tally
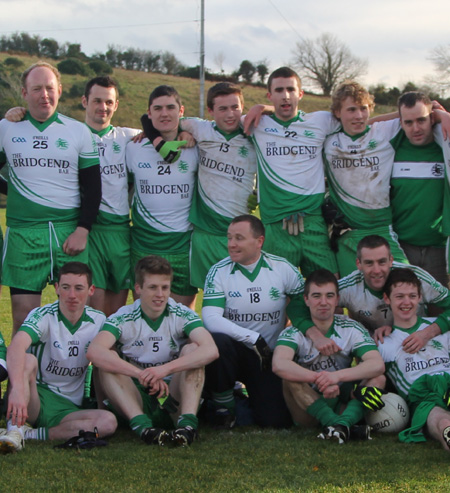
(405, 368)
(144, 342)
(254, 300)
(162, 197)
(226, 175)
(61, 347)
(417, 192)
(290, 164)
(369, 308)
(42, 157)
(111, 144)
(359, 170)
(350, 336)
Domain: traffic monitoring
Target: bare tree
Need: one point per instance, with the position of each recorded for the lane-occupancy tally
(219, 60)
(326, 62)
(440, 56)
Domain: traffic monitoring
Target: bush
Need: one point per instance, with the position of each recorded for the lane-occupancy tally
(100, 67)
(77, 89)
(13, 62)
(73, 66)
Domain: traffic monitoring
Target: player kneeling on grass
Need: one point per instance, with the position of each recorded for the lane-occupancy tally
(46, 386)
(316, 386)
(157, 340)
(422, 378)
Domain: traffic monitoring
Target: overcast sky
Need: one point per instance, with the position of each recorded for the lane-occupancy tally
(395, 36)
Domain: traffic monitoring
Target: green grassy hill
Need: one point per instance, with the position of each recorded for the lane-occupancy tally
(136, 87)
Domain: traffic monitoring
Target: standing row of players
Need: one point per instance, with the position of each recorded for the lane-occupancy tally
(291, 183)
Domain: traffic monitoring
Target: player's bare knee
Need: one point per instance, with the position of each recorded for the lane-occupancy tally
(30, 366)
(188, 348)
(106, 423)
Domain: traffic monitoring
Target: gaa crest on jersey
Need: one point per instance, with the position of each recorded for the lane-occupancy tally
(437, 169)
(116, 147)
(309, 133)
(436, 345)
(243, 151)
(62, 144)
(373, 144)
(274, 293)
(183, 167)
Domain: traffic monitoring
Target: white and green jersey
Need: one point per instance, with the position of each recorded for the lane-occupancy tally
(226, 175)
(61, 347)
(359, 169)
(350, 336)
(45, 157)
(417, 192)
(162, 199)
(290, 165)
(368, 307)
(144, 342)
(405, 368)
(111, 144)
(2, 352)
(253, 300)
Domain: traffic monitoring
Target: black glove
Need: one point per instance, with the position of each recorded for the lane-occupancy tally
(263, 352)
(168, 403)
(370, 397)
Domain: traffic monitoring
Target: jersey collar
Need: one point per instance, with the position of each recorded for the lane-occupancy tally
(71, 327)
(357, 136)
(100, 133)
(41, 126)
(286, 124)
(377, 294)
(251, 276)
(155, 324)
(412, 329)
(229, 136)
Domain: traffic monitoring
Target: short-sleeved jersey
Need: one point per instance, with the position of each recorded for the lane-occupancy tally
(405, 368)
(417, 192)
(61, 347)
(350, 336)
(111, 144)
(359, 170)
(43, 163)
(226, 175)
(254, 300)
(2, 351)
(162, 197)
(290, 165)
(144, 342)
(369, 308)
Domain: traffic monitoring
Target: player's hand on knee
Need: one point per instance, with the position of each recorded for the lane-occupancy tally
(331, 392)
(381, 333)
(326, 379)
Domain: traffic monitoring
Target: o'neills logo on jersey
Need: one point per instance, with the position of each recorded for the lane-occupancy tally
(55, 368)
(42, 162)
(165, 189)
(362, 162)
(423, 365)
(273, 150)
(273, 317)
(228, 169)
(112, 169)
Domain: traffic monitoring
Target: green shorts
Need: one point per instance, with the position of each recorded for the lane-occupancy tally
(159, 417)
(206, 250)
(347, 243)
(309, 250)
(180, 264)
(54, 408)
(33, 256)
(109, 257)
